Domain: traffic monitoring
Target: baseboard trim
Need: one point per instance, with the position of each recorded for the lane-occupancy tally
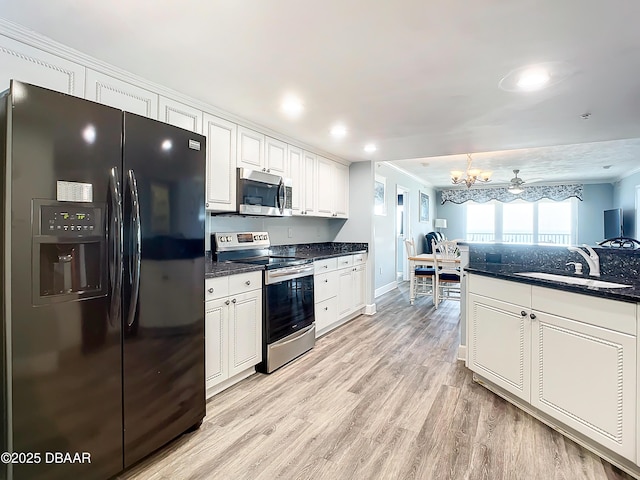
(370, 309)
(462, 353)
(385, 288)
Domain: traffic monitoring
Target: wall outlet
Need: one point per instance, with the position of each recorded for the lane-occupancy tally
(290, 232)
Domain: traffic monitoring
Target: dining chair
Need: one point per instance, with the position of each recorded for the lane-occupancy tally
(447, 272)
(423, 276)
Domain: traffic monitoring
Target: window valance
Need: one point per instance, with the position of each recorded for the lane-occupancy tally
(530, 193)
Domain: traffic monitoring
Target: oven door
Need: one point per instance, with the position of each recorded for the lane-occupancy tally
(289, 307)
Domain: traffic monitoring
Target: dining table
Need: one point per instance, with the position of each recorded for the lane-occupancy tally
(421, 260)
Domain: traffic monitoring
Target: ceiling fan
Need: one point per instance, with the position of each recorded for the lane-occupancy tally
(516, 183)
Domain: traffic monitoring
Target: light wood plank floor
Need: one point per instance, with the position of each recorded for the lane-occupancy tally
(382, 397)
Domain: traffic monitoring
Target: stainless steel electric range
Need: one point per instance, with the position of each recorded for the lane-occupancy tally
(288, 322)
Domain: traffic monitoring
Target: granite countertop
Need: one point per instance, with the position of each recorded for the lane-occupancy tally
(312, 251)
(508, 271)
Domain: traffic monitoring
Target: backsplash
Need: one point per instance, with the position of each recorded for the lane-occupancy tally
(619, 263)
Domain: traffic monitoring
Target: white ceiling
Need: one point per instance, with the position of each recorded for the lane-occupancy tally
(418, 78)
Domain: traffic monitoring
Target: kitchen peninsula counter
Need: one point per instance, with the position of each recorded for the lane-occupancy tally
(508, 272)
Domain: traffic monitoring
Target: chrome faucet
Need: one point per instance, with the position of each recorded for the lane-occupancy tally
(593, 261)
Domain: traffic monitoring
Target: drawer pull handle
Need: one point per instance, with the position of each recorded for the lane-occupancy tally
(326, 281)
(523, 313)
(533, 316)
(227, 302)
(211, 290)
(233, 301)
(248, 282)
(326, 308)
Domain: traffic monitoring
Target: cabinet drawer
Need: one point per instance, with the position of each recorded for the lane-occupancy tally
(245, 282)
(359, 258)
(326, 313)
(325, 286)
(503, 290)
(325, 265)
(598, 311)
(345, 261)
(216, 288)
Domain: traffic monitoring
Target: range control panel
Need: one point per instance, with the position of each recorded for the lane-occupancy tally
(240, 240)
(70, 221)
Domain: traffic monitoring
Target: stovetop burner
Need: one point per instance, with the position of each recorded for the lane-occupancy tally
(271, 262)
(251, 248)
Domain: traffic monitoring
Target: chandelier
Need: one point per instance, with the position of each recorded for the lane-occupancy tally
(471, 176)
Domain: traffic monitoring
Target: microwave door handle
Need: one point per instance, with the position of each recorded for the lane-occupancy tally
(137, 237)
(115, 235)
(281, 195)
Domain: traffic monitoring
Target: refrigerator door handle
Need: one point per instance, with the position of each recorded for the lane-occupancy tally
(117, 245)
(137, 247)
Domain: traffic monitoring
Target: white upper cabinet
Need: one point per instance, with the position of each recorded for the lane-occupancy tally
(275, 157)
(110, 91)
(333, 201)
(250, 149)
(30, 65)
(309, 189)
(326, 190)
(296, 173)
(180, 115)
(221, 164)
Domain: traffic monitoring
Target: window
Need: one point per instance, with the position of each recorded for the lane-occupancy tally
(544, 221)
(481, 219)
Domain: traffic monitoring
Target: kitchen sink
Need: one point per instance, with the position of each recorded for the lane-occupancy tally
(587, 282)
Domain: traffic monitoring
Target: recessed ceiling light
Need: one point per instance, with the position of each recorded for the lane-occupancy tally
(339, 131)
(370, 148)
(533, 79)
(292, 106)
(536, 77)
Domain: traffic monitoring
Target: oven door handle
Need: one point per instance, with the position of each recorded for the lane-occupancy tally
(286, 273)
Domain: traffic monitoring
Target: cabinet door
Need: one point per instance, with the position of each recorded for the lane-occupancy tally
(275, 156)
(585, 376)
(296, 173)
(110, 91)
(310, 183)
(501, 343)
(326, 184)
(216, 337)
(250, 149)
(345, 291)
(245, 331)
(341, 192)
(180, 115)
(29, 65)
(359, 283)
(221, 164)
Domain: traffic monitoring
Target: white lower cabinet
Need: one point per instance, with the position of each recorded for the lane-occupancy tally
(500, 350)
(233, 329)
(585, 376)
(572, 357)
(339, 290)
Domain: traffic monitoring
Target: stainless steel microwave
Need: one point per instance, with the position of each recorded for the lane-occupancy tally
(261, 193)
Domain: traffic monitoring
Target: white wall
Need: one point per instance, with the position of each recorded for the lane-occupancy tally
(624, 197)
(384, 226)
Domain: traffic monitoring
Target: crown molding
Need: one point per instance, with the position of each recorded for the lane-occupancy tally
(408, 174)
(34, 39)
(627, 174)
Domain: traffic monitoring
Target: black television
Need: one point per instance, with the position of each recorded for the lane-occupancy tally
(613, 223)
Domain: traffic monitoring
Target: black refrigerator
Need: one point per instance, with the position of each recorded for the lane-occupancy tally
(103, 285)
